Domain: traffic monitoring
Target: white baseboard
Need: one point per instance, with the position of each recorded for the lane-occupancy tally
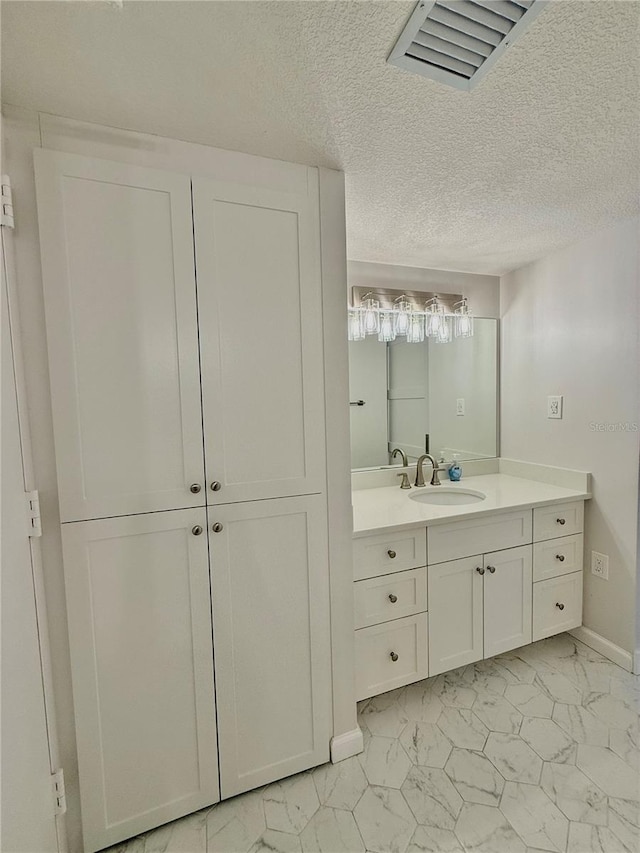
(345, 745)
(605, 647)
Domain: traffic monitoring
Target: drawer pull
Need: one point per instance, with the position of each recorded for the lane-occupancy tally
(479, 570)
(393, 656)
(491, 569)
(560, 606)
(393, 598)
(392, 555)
(194, 488)
(197, 530)
(561, 520)
(560, 557)
(216, 486)
(217, 527)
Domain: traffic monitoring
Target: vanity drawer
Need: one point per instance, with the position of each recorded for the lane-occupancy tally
(391, 655)
(389, 552)
(478, 535)
(557, 605)
(390, 597)
(555, 557)
(558, 520)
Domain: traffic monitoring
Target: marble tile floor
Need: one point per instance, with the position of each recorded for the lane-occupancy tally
(535, 750)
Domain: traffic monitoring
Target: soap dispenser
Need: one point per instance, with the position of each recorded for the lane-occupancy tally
(455, 471)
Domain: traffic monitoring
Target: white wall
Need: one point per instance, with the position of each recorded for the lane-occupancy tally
(483, 291)
(570, 326)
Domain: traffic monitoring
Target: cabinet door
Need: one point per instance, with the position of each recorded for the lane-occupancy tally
(117, 262)
(142, 667)
(507, 599)
(455, 614)
(271, 630)
(260, 321)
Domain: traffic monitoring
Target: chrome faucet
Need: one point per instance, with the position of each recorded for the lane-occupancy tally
(405, 461)
(435, 480)
(405, 484)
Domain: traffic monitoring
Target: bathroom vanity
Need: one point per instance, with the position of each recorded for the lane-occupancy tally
(438, 586)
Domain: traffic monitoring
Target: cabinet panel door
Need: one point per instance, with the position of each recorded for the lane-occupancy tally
(117, 263)
(142, 669)
(507, 600)
(260, 321)
(271, 630)
(455, 614)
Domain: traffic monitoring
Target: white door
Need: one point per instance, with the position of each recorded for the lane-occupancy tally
(117, 262)
(271, 630)
(28, 822)
(507, 599)
(368, 403)
(455, 614)
(260, 321)
(138, 602)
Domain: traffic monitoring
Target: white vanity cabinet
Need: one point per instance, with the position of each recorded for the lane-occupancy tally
(185, 336)
(494, 582)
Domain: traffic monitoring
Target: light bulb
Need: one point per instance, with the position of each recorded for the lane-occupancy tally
(415, 335)
(371, 308)
(463, 320)
(387, 331)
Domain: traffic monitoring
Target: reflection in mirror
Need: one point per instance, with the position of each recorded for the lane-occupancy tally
(424, 398)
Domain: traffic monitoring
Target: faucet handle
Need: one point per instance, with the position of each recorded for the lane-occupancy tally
(405, 484)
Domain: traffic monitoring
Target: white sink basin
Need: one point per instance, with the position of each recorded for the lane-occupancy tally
(446, 497)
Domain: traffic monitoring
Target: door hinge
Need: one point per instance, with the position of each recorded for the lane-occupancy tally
(6, 217)
(59, 794)
(34, 523)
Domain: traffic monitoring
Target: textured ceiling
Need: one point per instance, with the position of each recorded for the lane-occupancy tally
(544, 150)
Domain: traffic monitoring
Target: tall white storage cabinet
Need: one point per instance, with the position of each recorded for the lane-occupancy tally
(188, 398)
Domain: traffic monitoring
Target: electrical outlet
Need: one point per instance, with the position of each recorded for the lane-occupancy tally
(460, 406)
(600, 565)
(554, 407)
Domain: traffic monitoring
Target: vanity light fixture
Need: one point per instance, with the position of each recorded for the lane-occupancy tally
(381, 312)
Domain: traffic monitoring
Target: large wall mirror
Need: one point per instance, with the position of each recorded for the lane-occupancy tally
(428, 397)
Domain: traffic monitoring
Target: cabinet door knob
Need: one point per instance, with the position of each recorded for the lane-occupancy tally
(194, 488)
(217, 527)
(491, 569)
(561, 520)
(480, 570)
(393, 656)
(560, 557)
(560, 606)
(216, 486)
(393, 598)
(392, 554)
(197, 530)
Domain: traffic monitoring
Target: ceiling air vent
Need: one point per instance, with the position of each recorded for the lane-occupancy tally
(458, 41)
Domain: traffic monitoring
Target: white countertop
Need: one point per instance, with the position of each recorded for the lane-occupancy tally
(391, 508)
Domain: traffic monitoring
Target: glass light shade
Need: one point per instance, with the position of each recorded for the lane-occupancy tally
(443, 335)
(387, 326)
(371, 309)
(356, 324)
(403, 315)
(415, 335)
(434, 319)
(463, 322)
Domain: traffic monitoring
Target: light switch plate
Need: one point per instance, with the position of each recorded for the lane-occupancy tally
(460, 406)
(554, 407)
